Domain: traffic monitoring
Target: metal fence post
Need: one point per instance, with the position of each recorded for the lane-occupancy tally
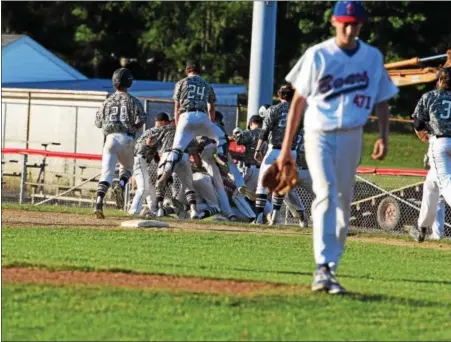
(23, 179)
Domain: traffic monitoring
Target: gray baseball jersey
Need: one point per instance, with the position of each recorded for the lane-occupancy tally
(194, 93)
(119, 113)
(275, 123)
(249, 139)
(146, 151)
(434, 108)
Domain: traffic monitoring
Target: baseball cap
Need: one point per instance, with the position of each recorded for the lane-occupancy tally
(162, 116)
(349, 12)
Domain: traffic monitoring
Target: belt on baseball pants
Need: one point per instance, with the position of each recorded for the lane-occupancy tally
(195, 110)
(279, 147)
(443, 136)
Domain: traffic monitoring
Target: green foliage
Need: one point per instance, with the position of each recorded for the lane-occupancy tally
(218, 34)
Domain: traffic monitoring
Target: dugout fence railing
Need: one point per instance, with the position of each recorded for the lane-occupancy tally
(385, 200)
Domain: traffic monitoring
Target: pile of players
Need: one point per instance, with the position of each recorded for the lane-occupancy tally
(230, 190)
(194, 147)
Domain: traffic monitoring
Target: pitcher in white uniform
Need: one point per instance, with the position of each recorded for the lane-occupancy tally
(341, 80)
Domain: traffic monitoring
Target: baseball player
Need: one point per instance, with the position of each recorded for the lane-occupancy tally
(342, 79)
(432, 123)
(433, 114)
(249, 139)
(274, 123)
(193, 97)
(120, 117)
(207, 203)
(262, 110)
(145, 153)
(206, 147)
(432, 212)
(182, 169)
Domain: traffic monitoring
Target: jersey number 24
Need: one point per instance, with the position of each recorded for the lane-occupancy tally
(194, 90)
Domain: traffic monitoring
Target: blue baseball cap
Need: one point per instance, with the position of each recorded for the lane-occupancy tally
(349, 12)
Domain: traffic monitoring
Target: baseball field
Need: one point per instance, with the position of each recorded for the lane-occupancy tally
(67, 276)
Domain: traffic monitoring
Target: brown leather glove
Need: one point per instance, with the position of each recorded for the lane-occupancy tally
(281, 181)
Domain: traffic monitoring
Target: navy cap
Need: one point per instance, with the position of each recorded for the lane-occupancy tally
(349, 12)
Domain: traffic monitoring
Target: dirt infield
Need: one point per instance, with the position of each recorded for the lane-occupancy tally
(142, 281)
(23, 218)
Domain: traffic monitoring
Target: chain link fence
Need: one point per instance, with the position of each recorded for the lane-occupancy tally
(381, 203)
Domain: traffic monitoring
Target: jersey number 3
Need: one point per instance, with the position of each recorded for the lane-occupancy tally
(114, 117)
(195, 90)
(447, 108)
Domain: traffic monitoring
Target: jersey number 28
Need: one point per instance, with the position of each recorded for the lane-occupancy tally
(193, 90)
(114, 117)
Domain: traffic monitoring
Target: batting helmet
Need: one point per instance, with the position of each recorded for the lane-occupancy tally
(255, 118)
(122, 78)
(286, 92)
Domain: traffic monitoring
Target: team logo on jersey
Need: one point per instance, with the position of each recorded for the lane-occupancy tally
(343, 85)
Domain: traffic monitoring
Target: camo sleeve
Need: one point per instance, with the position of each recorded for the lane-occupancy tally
(421, 111)
(211, 95)
(269, 122)
(99, 115)
(140, 114)
(177, 91)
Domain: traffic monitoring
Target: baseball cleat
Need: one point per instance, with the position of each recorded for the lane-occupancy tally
(275, 218)
(246, 192)
(232, 218)
(119, 196)
(418, 234)
(259, 219)
(194, 215)
(98, 212)
(302, 220)
(161, 213)
(321, 280)
(334, 286)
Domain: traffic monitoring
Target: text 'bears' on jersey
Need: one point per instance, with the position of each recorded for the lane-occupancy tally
(194, 93)
(342, 85)
(119, 113)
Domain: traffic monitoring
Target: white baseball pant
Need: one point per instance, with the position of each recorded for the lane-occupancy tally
(243, 206)
(118, 147)
(209, 163)
(432, 212)
(332, 158)
(250, 176)
(182, 169)
(292, 199)
(235, 172)
(206, 196)
(440, 153)
(270, 157)
(144, 188)
(193, 124)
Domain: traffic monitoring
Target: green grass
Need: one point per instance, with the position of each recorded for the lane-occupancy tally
(400, 293)
(405, 151)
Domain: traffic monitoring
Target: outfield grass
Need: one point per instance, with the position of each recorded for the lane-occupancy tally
(405, 151)
(400, 293)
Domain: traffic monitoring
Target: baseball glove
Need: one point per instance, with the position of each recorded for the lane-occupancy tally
(280, 181)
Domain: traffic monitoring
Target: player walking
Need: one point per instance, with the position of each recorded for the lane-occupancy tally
(193, 97)
(433, 114)
(120, 116)
(341, 79)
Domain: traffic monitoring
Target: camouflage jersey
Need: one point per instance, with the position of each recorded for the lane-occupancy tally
(300, 152)
(119, 113)
(249, 139)
(275, 122)
(148, 152)
(194, 93)
(165, 138)
(434, 109)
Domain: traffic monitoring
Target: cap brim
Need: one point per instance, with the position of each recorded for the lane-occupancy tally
(348, 19)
